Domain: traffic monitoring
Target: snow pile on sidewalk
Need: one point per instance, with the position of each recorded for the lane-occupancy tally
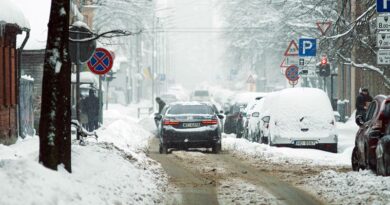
(284, 155)
(114, 170)
(350, 188)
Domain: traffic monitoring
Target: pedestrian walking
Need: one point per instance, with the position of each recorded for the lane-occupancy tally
(92, 103)
(362, 102)
(161, 104)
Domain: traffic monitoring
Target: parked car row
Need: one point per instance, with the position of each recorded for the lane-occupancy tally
(296, 117)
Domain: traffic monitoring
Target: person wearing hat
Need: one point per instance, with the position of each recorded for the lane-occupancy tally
(362, 102)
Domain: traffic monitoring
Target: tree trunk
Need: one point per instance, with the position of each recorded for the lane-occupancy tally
(54, 128)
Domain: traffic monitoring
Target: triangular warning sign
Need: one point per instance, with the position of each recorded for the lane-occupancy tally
(292, 49)
(251, 80)
(288, 60)
(284, 64)
(324, 27)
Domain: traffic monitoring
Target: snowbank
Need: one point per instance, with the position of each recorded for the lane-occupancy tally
(114, 170)
(351, 187)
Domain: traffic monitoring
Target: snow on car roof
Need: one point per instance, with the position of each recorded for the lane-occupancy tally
(11, 14)
(247, 97)
(190, 103)
(292, 102)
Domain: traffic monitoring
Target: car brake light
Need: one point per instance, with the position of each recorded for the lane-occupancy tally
(210, 122)
(170, 122)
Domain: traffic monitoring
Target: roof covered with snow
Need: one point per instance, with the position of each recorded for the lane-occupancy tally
(11, 14)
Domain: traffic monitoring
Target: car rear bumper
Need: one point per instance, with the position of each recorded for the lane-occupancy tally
(205, 139)
(326, 144)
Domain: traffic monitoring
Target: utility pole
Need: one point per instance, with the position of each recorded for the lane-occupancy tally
(356, 11)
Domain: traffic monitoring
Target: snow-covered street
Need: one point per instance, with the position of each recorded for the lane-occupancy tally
(117, 169)
(186, 102)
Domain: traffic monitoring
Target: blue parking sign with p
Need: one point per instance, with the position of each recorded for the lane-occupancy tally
(307, 47)
(383, 6)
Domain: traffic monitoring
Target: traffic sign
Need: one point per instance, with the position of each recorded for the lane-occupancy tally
(289, 60)
(383, 40)
(383, 57)
(101, 62)
(250, 80)
(292, 49)
(382, 6)
(383, 22)
(324, 26)
(292, 73)
(80, 52)
(307, 47)
(301, 61)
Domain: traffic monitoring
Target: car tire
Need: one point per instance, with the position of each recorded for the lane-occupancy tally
(163, 149)
(355, 159)
(386, 164)
(216, 148)
(368, 163)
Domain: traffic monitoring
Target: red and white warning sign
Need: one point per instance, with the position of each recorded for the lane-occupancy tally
(251, 79)
(324, 26)
(292, 49)
(289, 60)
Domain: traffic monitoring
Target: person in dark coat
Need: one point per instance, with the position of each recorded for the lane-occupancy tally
(92, 108)
(161, 104)
(362, 102)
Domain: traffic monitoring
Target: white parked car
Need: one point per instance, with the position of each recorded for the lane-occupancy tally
(254, 121)
(302, 118)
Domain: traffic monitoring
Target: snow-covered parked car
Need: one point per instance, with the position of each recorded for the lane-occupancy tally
(254, 121)
(302, 118)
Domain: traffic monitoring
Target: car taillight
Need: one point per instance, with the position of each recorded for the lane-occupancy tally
(210, 122)
(171, 122)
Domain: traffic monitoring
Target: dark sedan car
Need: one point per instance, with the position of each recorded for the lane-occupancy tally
(372, 128)
(186, 125)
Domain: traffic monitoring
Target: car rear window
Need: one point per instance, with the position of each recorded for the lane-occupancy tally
(201, 93)
(190, 109)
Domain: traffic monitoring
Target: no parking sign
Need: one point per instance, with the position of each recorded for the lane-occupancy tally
(292, 73)
(101, 62)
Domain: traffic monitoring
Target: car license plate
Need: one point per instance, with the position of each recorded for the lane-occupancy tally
(191, 125)
(305, 143)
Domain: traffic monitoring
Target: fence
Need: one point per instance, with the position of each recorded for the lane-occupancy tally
(26, 108)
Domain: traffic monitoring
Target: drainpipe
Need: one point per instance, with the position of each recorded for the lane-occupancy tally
(19, 76)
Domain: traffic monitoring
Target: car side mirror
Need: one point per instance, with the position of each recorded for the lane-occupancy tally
(386, 112)
(255, 114)
(157, 117)
(221, 117)
(266, 119)
(359, 120)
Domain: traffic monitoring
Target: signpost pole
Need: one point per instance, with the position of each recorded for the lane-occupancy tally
(78, 110)
(100, 95)
(108, 84)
